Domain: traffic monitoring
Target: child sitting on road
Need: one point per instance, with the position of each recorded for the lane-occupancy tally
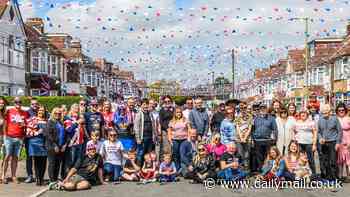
(112, 152)
(274, 166)
(131, 169)
(303, 170)
(95, 140)
(167, 170)
(148, 172)
(230, 168)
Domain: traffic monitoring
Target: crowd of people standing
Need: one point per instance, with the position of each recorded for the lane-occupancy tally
(95, 142)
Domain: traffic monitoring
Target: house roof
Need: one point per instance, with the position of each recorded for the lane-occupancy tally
(38, 41)
(296, 59)
(3, 6)
(343, 50)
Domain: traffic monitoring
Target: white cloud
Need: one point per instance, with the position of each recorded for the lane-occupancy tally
(168, 52)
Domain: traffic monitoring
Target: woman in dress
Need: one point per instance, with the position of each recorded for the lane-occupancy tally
(344, 148)
(36, 131)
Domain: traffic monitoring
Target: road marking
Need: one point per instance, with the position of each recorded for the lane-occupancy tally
(39, 193)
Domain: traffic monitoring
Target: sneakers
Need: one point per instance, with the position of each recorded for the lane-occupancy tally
(29, 179)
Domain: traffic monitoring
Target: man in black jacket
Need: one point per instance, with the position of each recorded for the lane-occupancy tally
(165, 115)
(217, 118)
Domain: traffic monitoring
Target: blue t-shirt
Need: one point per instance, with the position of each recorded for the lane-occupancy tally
(167, 167)
(93, 121)
(227, 131)
(61, 134)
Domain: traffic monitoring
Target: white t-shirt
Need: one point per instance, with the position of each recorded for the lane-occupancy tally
(112, 152)
(304, 131)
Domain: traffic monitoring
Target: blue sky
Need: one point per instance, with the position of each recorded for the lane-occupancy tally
(184, 40)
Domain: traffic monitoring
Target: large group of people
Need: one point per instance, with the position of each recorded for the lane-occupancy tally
(96, 142)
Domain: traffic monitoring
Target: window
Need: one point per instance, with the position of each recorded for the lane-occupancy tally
(35, 92)
(53, 93)
(35, 61)
(12, 14)
(4, 90)
(18, 58)
(52, 65)
(338, 69)
(320, 75)
(346, 67)
(10, 50)
(43, 62)
(2, 49)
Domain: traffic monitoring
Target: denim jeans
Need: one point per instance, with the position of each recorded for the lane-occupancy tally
(176, 152)
(229, 174)
(167, 178)
(12, 146)
(115, 170)
(146, 146)
(29, 159)
(76, 154)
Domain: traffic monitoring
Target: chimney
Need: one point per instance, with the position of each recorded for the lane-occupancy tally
(75, 44)
(36, 23)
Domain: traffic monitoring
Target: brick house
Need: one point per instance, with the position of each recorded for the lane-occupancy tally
(43, 63)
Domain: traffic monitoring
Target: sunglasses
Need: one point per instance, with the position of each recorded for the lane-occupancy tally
(341, 110)
(94, 105)
(18, 102)
(112, 135)
(201, 149)
(167, 101)
(283, 112)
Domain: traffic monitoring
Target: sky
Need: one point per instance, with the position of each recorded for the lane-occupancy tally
(184, 40)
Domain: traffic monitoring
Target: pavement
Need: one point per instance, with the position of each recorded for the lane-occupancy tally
(22, 189)
(179, 189)
(184, 189)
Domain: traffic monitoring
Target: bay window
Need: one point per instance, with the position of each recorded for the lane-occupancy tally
(43, 62)
(35, 61)
(39, 61)
(53, 65)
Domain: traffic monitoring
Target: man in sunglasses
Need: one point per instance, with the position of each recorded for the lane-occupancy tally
(165, 115)
(14, 133)
(217, 118)
(86, 171)
(94, 120)
(189, 107)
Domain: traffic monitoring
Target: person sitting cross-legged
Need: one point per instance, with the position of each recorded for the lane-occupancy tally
(230, 165)
(85, 172)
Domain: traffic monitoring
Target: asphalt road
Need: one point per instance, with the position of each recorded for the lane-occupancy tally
(183, 189)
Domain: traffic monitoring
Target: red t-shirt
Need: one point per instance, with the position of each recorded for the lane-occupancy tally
(14, 120)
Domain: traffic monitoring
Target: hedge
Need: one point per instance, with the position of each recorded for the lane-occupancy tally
(179, 100)
(49, 101)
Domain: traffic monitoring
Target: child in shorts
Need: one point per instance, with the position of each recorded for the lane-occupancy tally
(148, 172)
(167, 170)
(131, 169)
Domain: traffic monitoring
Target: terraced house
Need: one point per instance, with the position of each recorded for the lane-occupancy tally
(12, 49)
